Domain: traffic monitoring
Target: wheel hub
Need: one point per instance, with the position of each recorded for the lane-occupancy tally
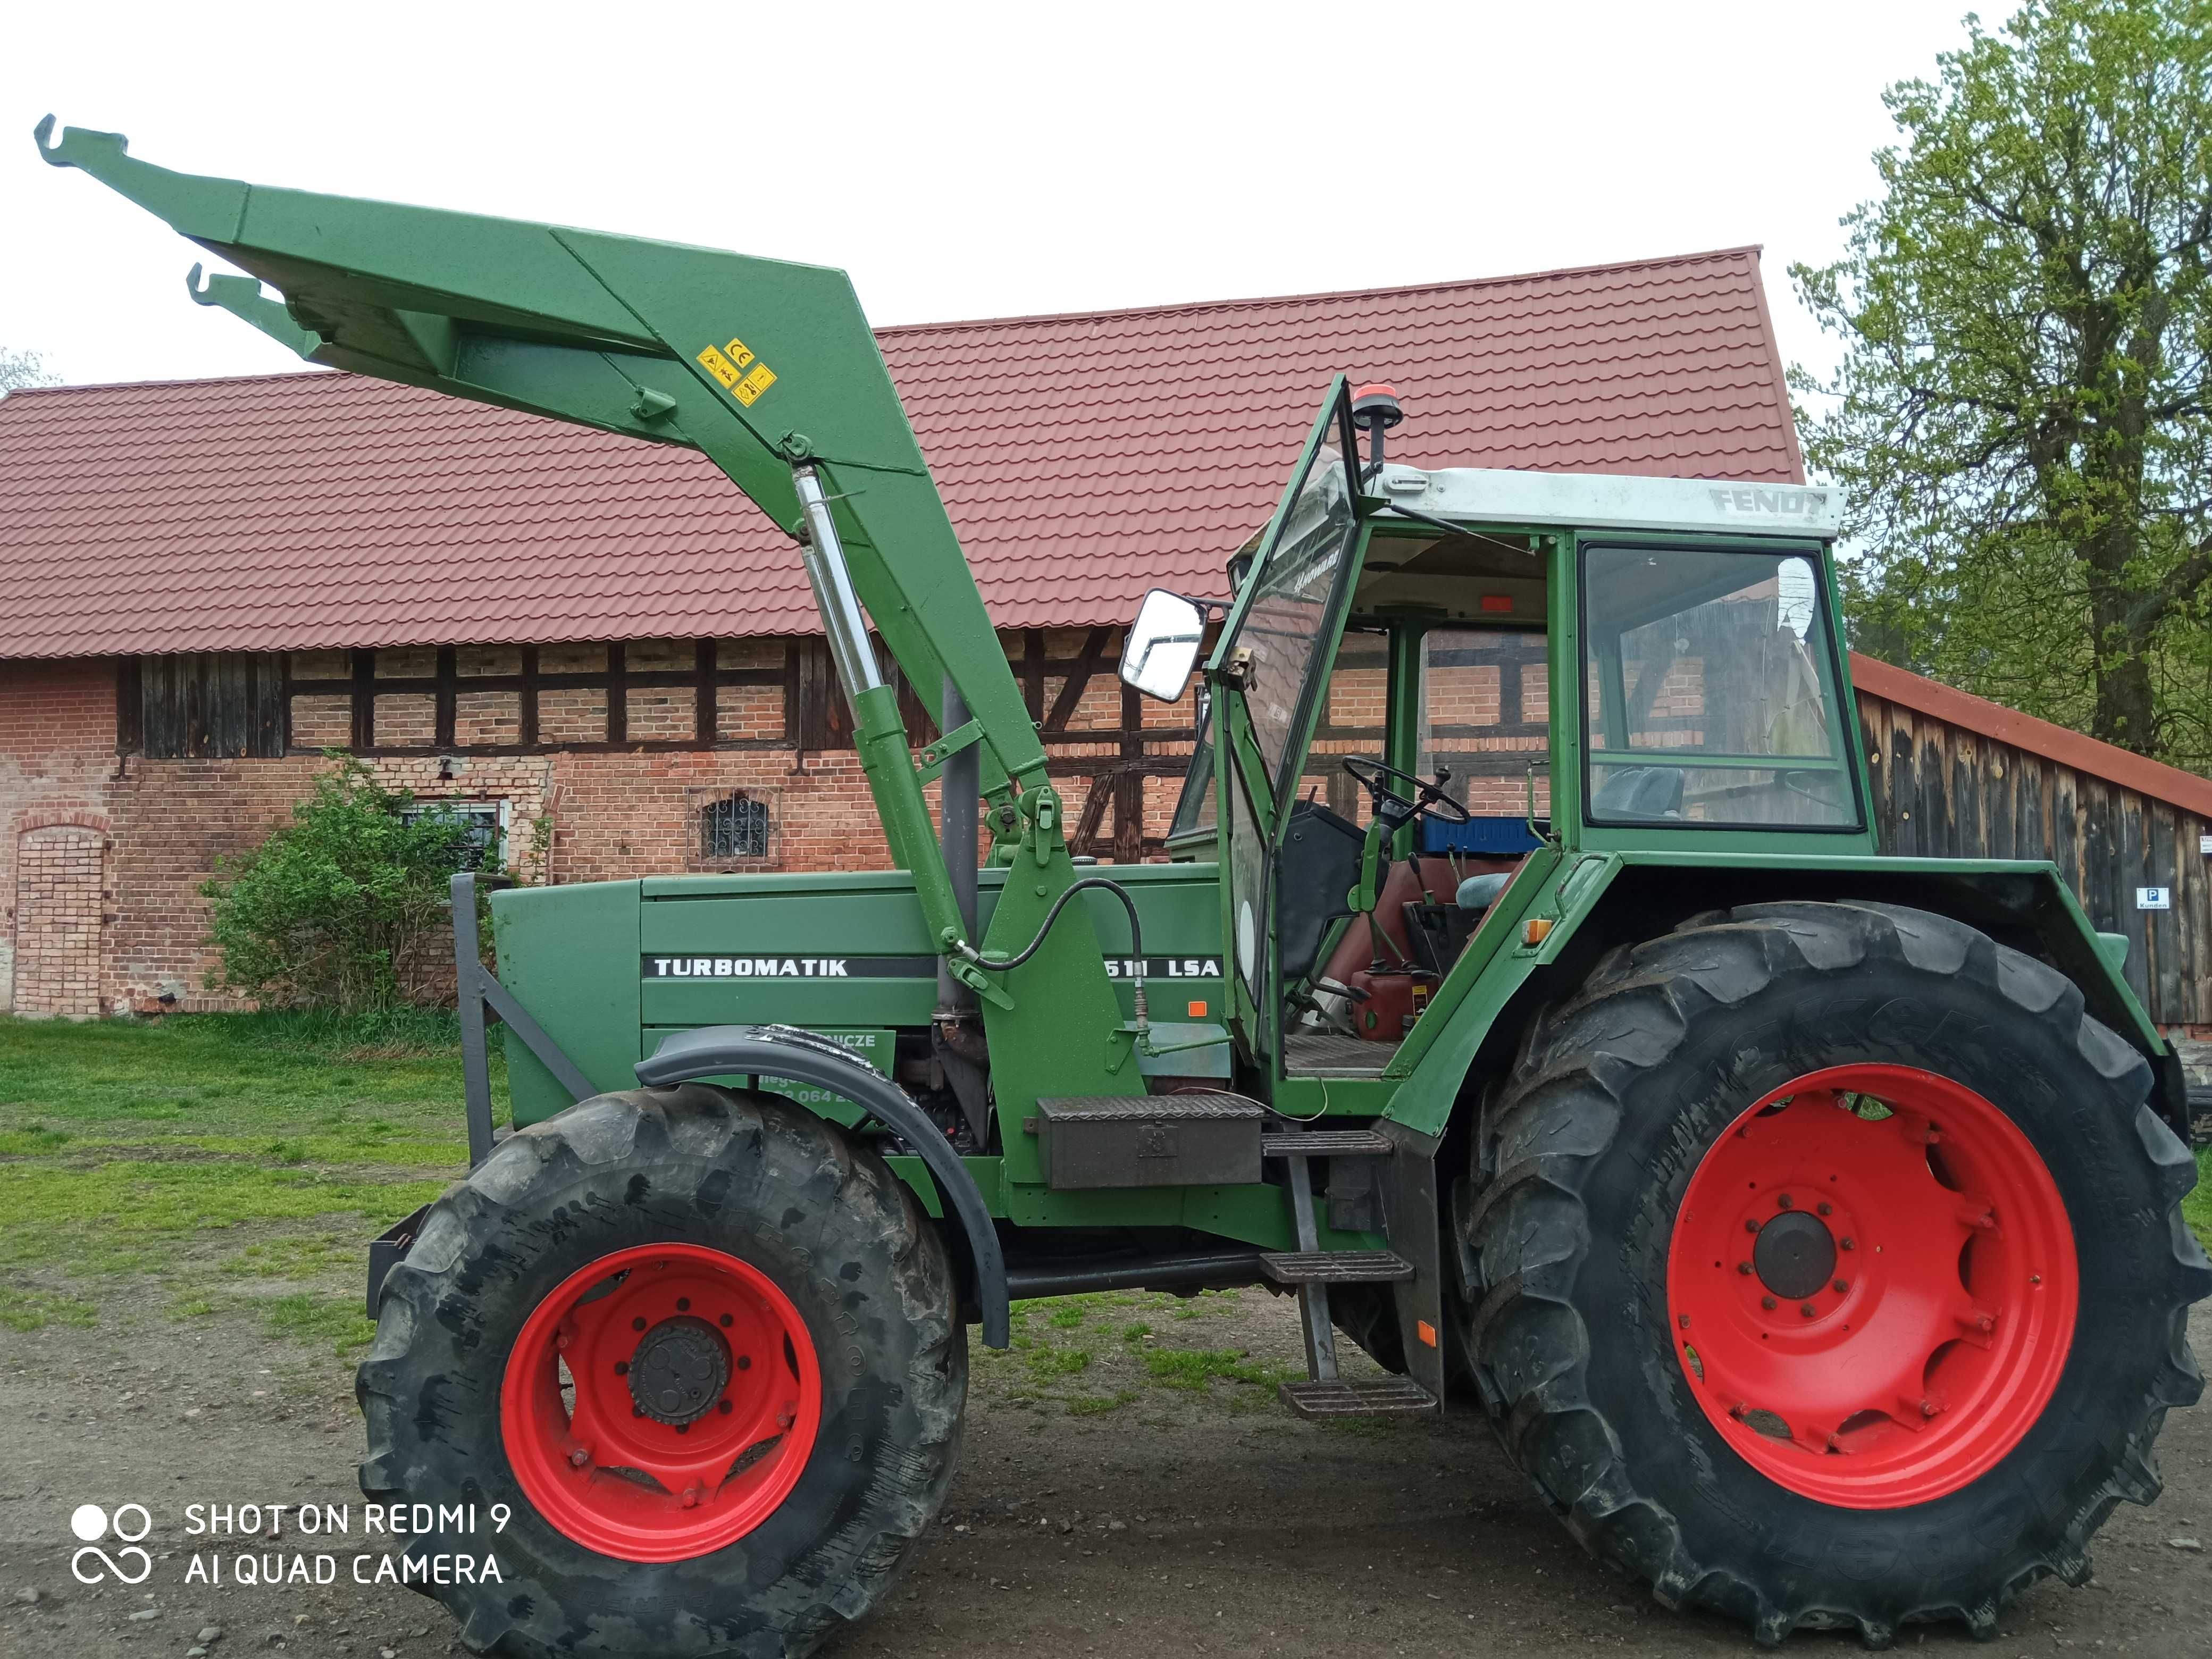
(661, 1401)
(1795, 1255)
(679, 1370)
(1872, 1284)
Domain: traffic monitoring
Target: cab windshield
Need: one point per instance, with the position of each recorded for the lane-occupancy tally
(1712, 695)
(1287, 625)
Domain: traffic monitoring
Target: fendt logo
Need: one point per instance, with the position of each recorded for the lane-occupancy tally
(1771, 503)
(90, 1522)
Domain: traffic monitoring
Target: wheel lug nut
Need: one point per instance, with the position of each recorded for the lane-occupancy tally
(726, 1321)
(1847, 1243)
(1928, 1408)
(1807, 1310)
(1783, 1202)
(1767, 1302)
(684, 1304)
(637, 1324)
(1842, 1286)
(622, 1368)
(579, 1457)
(725, 1408)
(637, 1411)
(1825, 1209)
(682, 1428)
(744, 1362)
(1750, 1226)
(1743, 1267)
(692, 1495)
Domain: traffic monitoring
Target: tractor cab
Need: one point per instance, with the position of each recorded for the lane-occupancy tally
(1384, 769)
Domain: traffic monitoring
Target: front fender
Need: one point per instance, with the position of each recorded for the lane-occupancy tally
(784, 1051)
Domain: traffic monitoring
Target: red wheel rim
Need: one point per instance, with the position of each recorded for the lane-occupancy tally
(1913, 1364)
(727, 1368)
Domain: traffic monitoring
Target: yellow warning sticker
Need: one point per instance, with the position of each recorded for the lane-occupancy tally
(742, 374)
(757, 381)
(721, 368)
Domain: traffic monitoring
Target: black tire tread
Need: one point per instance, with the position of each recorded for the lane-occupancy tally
(1528, 1230)
(715, 1126)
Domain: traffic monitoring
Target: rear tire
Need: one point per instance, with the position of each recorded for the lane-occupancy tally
(819, 1247)
(1619, 1098)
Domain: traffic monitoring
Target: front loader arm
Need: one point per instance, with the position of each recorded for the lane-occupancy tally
(629, 336)
(770, 370)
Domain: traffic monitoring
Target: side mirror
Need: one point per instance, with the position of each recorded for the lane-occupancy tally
(1163, 645)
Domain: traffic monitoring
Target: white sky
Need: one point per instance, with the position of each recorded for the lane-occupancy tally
(964, 160)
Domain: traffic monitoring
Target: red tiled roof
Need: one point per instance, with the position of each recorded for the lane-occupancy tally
(1083, 457)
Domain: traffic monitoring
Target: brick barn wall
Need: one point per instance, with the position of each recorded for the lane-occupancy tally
(106, 853)
(174, 820)
(56, 753)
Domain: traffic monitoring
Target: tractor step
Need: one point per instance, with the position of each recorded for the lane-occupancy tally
(1336, 1266)
(1375, 1396)
(1329, 1143)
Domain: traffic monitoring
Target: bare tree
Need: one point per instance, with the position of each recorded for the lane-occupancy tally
(21, 368)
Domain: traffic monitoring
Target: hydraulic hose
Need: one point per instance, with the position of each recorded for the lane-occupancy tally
(1136, 941)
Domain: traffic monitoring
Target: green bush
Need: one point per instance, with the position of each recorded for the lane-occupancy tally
(344, 907)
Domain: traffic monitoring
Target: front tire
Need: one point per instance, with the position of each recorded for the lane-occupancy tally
(702, 1347)
(1852, 1446)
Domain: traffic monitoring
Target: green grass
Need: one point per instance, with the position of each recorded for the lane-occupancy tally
(1043, 1362)
(1085, 1357)
(22, 1309)
(2197, 1209)
(1197, 1368)
(1097, 1405)
(222, 1157)
(316, 1318)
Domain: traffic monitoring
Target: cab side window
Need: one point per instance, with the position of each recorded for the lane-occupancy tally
(1485, 708)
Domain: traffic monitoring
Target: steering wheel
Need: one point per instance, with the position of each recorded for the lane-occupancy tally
(1427, 800)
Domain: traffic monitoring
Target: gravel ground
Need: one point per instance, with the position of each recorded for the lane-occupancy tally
(1129, 1487)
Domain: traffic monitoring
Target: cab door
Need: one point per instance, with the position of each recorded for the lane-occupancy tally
(1267, 674)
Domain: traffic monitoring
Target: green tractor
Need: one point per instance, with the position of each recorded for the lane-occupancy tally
(1804, 1221)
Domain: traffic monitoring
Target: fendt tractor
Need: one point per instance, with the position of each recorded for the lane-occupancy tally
(1804, 1221)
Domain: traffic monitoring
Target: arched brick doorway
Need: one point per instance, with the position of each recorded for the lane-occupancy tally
(58, 916)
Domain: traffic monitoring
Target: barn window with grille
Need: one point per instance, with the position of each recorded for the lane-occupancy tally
(733, 827)
(478, 828)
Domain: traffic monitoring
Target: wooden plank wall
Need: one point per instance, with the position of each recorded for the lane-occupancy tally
(1942, 790)
(218, 705)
